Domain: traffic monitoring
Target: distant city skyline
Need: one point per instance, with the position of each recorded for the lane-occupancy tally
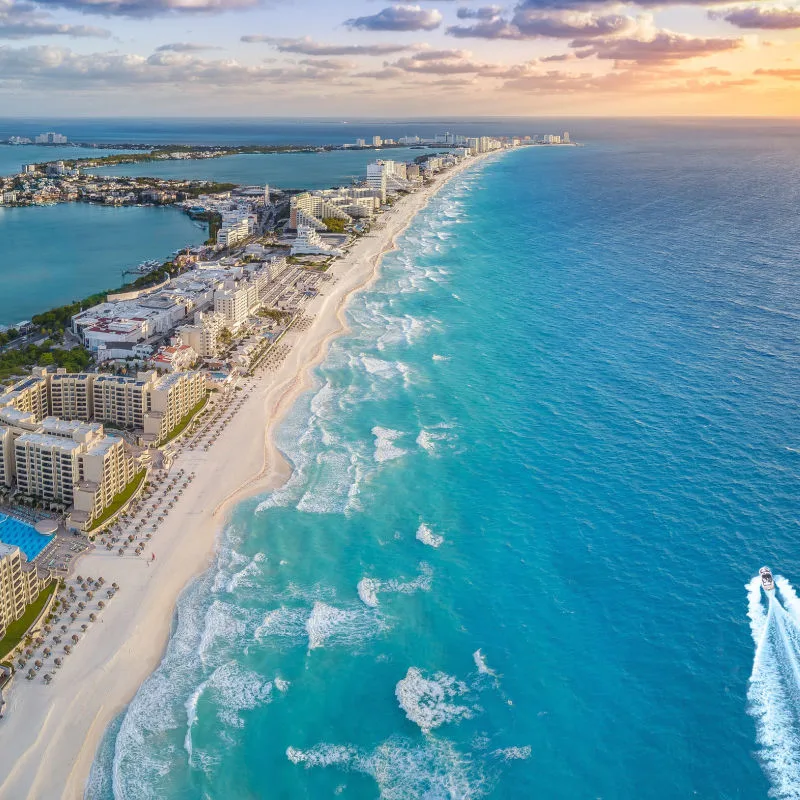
(374, 59)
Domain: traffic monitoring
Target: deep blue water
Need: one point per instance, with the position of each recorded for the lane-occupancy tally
(52, 255)
(578, 377)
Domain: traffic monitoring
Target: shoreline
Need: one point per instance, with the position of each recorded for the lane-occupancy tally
(50, 735)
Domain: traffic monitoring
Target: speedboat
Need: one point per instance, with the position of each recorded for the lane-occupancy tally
(766, 579)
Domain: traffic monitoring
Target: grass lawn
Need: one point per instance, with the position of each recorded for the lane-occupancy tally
(16, 631)
(120, 500)
(181, 426)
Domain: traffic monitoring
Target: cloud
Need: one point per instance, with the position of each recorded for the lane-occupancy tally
(434, 55)
(399, 18)
(484, 12)
(441, 66)
(534, 23)
(497, 28)
(151, 8)
(663, 47)
(648, 80)
(785, 74)
(185, 47)
(761, 17)
(308, 47)
(24, 21)
(53, 68)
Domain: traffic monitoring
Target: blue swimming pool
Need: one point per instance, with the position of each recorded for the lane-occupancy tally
(12, 531)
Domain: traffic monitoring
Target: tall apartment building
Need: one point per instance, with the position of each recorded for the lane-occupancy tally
(376, 179)
(47, 466)
(309, 209)
(71, 395)
(29, 395)
(20, 585)
(121, 401)
(235, 301)
(170, 400)
(203, 334)
(105, 469)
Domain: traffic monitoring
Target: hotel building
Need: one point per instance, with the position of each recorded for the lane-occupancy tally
(20, 585)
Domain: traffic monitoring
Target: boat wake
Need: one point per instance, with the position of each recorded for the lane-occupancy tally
(774, 692)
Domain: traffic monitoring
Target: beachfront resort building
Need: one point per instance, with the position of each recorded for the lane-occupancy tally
(203, 335)
(169, 400)
(309, 242)
(234, 230)
(71, 395)
(20, 585)
(74, 462)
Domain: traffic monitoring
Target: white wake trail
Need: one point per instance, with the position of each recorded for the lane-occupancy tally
(774, 692)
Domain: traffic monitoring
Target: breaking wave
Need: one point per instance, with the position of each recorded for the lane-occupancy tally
(428, 537)
(370, 588)
(430, 702)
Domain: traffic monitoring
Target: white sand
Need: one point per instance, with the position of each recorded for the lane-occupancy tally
(50, 734)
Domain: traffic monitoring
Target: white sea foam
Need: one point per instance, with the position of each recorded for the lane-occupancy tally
(480, 663)
(370, 588)
(428, 537)
(438, 357)
(428, 702)
(221, 622)
(328, 624)
(403, 770)
(236, 689)
(774, 691)
(514, 753)
(385, 448)
(283, 622)
(191, 717)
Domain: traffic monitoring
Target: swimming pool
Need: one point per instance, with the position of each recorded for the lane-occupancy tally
(12, 531)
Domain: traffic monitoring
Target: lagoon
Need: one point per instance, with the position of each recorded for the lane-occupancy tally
(317, 170)
(54, 255)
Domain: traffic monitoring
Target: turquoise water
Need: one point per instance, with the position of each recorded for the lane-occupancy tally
(288, 170)
(12, 157)
(54, 255)
(24, 536)
(531, 489)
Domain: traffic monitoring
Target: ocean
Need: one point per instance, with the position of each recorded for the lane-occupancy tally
(531, 489)
(53, 255)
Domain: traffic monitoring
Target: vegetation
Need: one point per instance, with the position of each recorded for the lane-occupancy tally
(17, 360)
(335, 225)
(120, 500)
(56, 320)
(214, 224)
(226, 337)
(17, 631)
(181, 426)
(274, 313)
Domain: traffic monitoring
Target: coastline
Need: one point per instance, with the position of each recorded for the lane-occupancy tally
(60, 726)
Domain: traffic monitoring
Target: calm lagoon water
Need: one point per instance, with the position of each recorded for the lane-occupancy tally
(289, 170)
(53, 255)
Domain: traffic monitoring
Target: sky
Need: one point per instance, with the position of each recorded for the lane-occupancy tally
(371, 58)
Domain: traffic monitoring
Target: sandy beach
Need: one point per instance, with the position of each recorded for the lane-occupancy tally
(50, 734)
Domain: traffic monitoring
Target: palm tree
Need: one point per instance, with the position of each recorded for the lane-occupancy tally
(75, 638)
